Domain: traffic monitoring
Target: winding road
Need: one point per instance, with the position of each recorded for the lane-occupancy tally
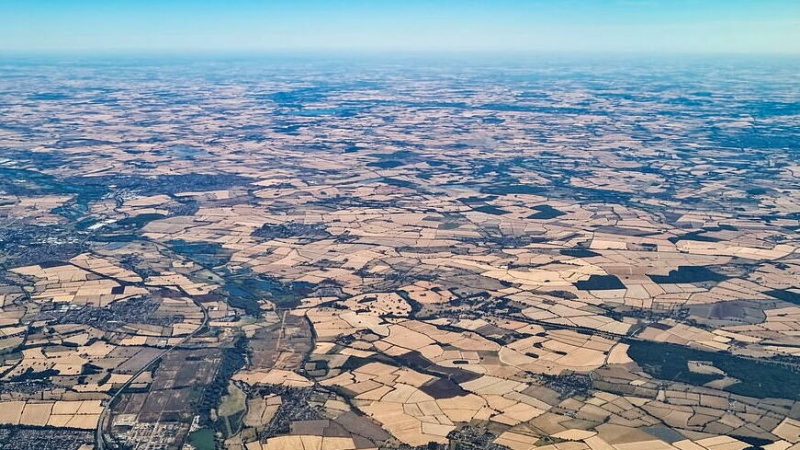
(100, 439)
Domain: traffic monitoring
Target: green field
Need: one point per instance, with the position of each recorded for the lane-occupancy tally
(231, 410)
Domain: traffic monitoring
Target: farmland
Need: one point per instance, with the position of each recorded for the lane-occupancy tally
(308, 256)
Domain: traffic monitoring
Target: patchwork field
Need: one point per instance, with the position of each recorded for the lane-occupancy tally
(401, 256)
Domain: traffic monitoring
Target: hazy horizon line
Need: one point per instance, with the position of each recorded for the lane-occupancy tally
(310, 52)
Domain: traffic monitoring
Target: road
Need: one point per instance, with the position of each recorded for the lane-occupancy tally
(100, 443)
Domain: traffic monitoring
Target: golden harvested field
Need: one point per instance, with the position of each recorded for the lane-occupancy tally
(281, 255)
(68, 414)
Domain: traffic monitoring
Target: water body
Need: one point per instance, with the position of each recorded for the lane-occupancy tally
(203, 439)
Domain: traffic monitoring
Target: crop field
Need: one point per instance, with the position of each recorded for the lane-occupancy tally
(383, 257)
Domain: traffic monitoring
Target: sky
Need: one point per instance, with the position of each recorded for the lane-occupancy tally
(513, 26)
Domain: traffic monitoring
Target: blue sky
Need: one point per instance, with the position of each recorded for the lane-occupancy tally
(651, 26)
